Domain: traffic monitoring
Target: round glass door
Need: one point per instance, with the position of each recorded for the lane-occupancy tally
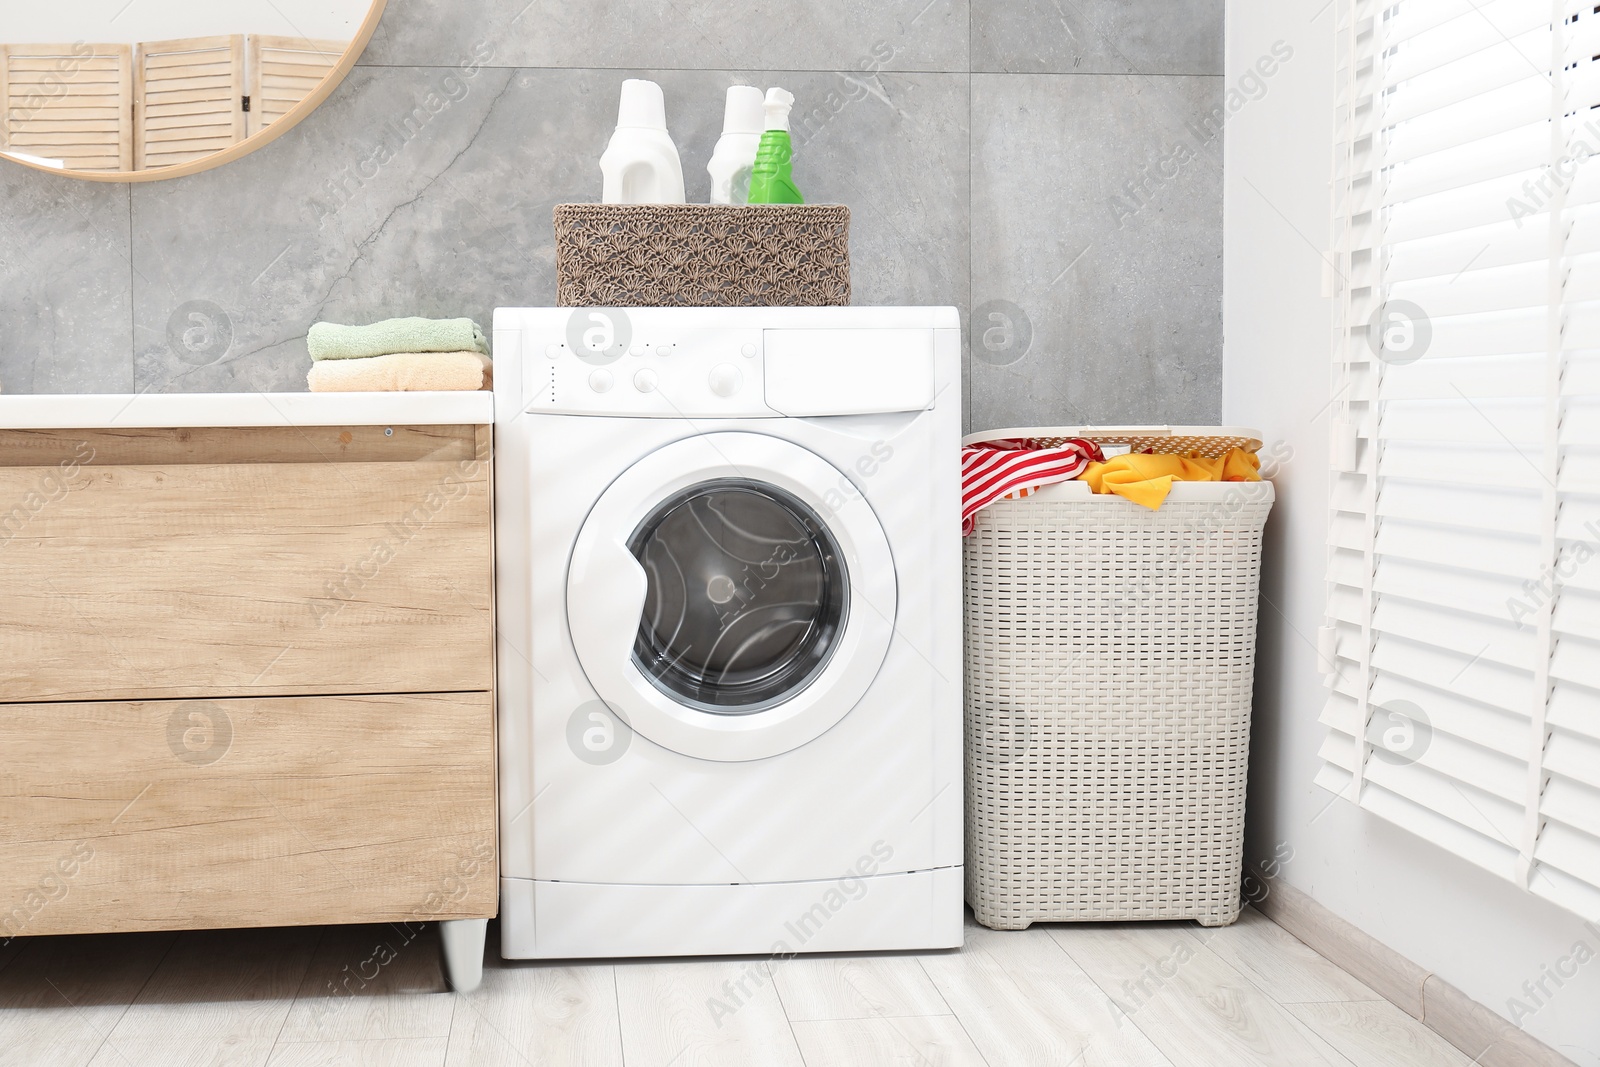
(722, 605)
(747, 594)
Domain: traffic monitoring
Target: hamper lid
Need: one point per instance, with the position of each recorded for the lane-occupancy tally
(1208, 441)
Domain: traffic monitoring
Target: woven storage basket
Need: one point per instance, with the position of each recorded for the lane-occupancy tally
(702, 255)
(1109, 659)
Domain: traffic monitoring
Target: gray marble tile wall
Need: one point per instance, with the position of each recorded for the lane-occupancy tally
(1045, 165)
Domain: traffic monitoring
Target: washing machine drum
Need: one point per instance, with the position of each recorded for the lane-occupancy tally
(747, 593)
(761, 613)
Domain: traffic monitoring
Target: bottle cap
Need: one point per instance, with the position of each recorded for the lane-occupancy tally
(743, 111)
(779, 101)
(642, 105)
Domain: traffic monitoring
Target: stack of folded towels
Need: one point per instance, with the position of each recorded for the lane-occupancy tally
(399, 355)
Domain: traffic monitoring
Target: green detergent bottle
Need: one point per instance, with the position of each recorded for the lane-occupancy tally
(772, 182)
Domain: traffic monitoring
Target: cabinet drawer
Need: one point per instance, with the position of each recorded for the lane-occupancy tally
(146, 564)
(166, 815)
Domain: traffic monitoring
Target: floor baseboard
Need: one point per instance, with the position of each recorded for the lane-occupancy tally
(1482, 1034)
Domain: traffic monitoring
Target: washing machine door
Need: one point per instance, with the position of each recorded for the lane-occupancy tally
(730, 597)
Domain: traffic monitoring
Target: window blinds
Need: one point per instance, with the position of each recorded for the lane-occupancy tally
(1463, 636)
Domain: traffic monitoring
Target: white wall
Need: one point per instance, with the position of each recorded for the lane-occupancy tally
(121, 22)
(1476, 932)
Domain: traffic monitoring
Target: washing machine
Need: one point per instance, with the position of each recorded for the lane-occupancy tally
(729, 651)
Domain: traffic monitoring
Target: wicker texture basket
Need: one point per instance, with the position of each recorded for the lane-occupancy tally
(1109, 659)
(702, 255)
(1208, 441)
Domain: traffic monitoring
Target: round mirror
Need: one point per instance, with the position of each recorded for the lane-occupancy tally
(132, 90)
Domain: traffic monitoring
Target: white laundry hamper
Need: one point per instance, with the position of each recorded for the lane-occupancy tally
(1110, 653)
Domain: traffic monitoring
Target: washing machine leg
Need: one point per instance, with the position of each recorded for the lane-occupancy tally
(462, 944)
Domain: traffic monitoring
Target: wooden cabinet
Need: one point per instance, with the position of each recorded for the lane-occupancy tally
(245, 677)
(317, 561)
(278, 811)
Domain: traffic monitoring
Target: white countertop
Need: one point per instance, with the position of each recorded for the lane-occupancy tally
(104, 411)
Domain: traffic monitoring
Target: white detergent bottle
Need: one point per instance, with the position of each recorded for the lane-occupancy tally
(743, 119)
(641, 165)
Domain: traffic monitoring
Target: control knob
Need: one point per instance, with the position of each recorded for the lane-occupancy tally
(725, 379)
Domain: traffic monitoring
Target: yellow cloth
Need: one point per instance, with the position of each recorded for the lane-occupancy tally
(402, 372)
(1146, 480)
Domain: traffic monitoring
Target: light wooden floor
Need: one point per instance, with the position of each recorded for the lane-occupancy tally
(1185, 997)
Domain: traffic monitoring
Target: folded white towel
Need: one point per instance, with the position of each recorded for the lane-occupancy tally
(403, 372)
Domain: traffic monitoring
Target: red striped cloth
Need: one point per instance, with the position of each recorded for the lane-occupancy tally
(993, 470)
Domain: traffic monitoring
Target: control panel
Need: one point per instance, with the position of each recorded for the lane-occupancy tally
(613, 361)
(720, 363)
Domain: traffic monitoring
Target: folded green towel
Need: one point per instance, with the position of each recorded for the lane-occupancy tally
(329, 340)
